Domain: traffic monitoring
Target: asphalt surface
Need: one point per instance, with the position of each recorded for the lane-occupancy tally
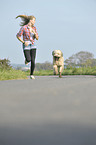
(48, 111)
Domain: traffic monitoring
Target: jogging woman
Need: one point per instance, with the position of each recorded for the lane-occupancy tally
(29, 33)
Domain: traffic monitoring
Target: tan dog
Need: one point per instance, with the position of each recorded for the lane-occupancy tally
(58, 62)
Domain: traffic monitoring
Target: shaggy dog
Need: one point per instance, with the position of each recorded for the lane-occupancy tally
(58, 62)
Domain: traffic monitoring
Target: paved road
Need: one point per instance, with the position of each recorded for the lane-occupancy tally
(48, 111)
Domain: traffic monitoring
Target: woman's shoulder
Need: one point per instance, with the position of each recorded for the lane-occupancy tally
(25, 26)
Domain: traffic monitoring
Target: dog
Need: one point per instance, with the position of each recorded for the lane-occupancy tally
(58, 62)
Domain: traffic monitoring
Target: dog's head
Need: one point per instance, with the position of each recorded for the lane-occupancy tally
(57, 53)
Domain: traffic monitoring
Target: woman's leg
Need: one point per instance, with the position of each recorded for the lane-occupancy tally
(27, 55)
(33, 55)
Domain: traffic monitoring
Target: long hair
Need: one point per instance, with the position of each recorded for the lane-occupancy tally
(25, 19)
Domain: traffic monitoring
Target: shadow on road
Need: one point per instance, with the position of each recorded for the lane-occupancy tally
(52, 134)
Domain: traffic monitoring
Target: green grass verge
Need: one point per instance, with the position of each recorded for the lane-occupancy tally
(13, 74)
(41, 73)
(80, 71)
(71, 71)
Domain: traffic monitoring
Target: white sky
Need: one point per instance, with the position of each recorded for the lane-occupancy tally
(68, 25)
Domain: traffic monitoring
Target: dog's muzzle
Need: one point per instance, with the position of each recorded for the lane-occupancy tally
(56, 58)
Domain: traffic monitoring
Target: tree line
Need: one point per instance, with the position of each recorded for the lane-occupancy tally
(80, 59)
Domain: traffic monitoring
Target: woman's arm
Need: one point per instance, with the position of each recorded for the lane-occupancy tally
(35, 33)
(20, 39)
(36, 36)
(19, 34)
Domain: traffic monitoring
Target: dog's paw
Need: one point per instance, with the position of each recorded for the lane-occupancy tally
(60, 76)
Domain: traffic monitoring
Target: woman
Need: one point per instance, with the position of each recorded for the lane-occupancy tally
(29, 33)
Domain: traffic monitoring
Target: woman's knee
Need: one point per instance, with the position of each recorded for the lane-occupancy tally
(32, 60)
(28, 59)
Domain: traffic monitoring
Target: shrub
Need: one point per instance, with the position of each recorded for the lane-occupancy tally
(4, 64)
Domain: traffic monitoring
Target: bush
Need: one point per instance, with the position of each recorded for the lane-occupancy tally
(8, 73)
(5, 64)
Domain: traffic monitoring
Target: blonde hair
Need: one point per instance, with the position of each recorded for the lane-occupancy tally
(25, 19)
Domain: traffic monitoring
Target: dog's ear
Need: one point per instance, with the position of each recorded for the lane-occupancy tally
(53, 53)
(61, 53)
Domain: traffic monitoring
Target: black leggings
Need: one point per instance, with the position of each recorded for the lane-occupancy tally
(30, 56)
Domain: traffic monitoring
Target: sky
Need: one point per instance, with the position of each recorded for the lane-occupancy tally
(68, 25)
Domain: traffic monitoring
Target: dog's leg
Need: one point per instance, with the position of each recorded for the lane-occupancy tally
(60, 76)
(55, 69)
(60, 71)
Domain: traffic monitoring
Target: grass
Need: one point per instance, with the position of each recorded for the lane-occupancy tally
(12, 74)
(41, 72)
(70, 71)
(80, 71)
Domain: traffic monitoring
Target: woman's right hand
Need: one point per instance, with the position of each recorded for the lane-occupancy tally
(26, 43)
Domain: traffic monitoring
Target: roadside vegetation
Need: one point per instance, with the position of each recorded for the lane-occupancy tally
(82, 63)
(67, 71)
(8, 73)
(80, 71)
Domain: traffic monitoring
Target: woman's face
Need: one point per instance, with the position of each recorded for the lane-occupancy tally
(32, 21)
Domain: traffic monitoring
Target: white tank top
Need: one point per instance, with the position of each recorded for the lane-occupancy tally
(30, 46)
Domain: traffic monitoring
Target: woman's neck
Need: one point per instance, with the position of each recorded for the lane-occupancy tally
(29, 24)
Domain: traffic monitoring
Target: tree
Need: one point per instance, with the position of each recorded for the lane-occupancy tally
(82, 58)
(5, 64)
(44, 66)
(93, 62)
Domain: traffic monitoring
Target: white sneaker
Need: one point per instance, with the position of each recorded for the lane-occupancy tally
(26, 62)
(32, 77)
